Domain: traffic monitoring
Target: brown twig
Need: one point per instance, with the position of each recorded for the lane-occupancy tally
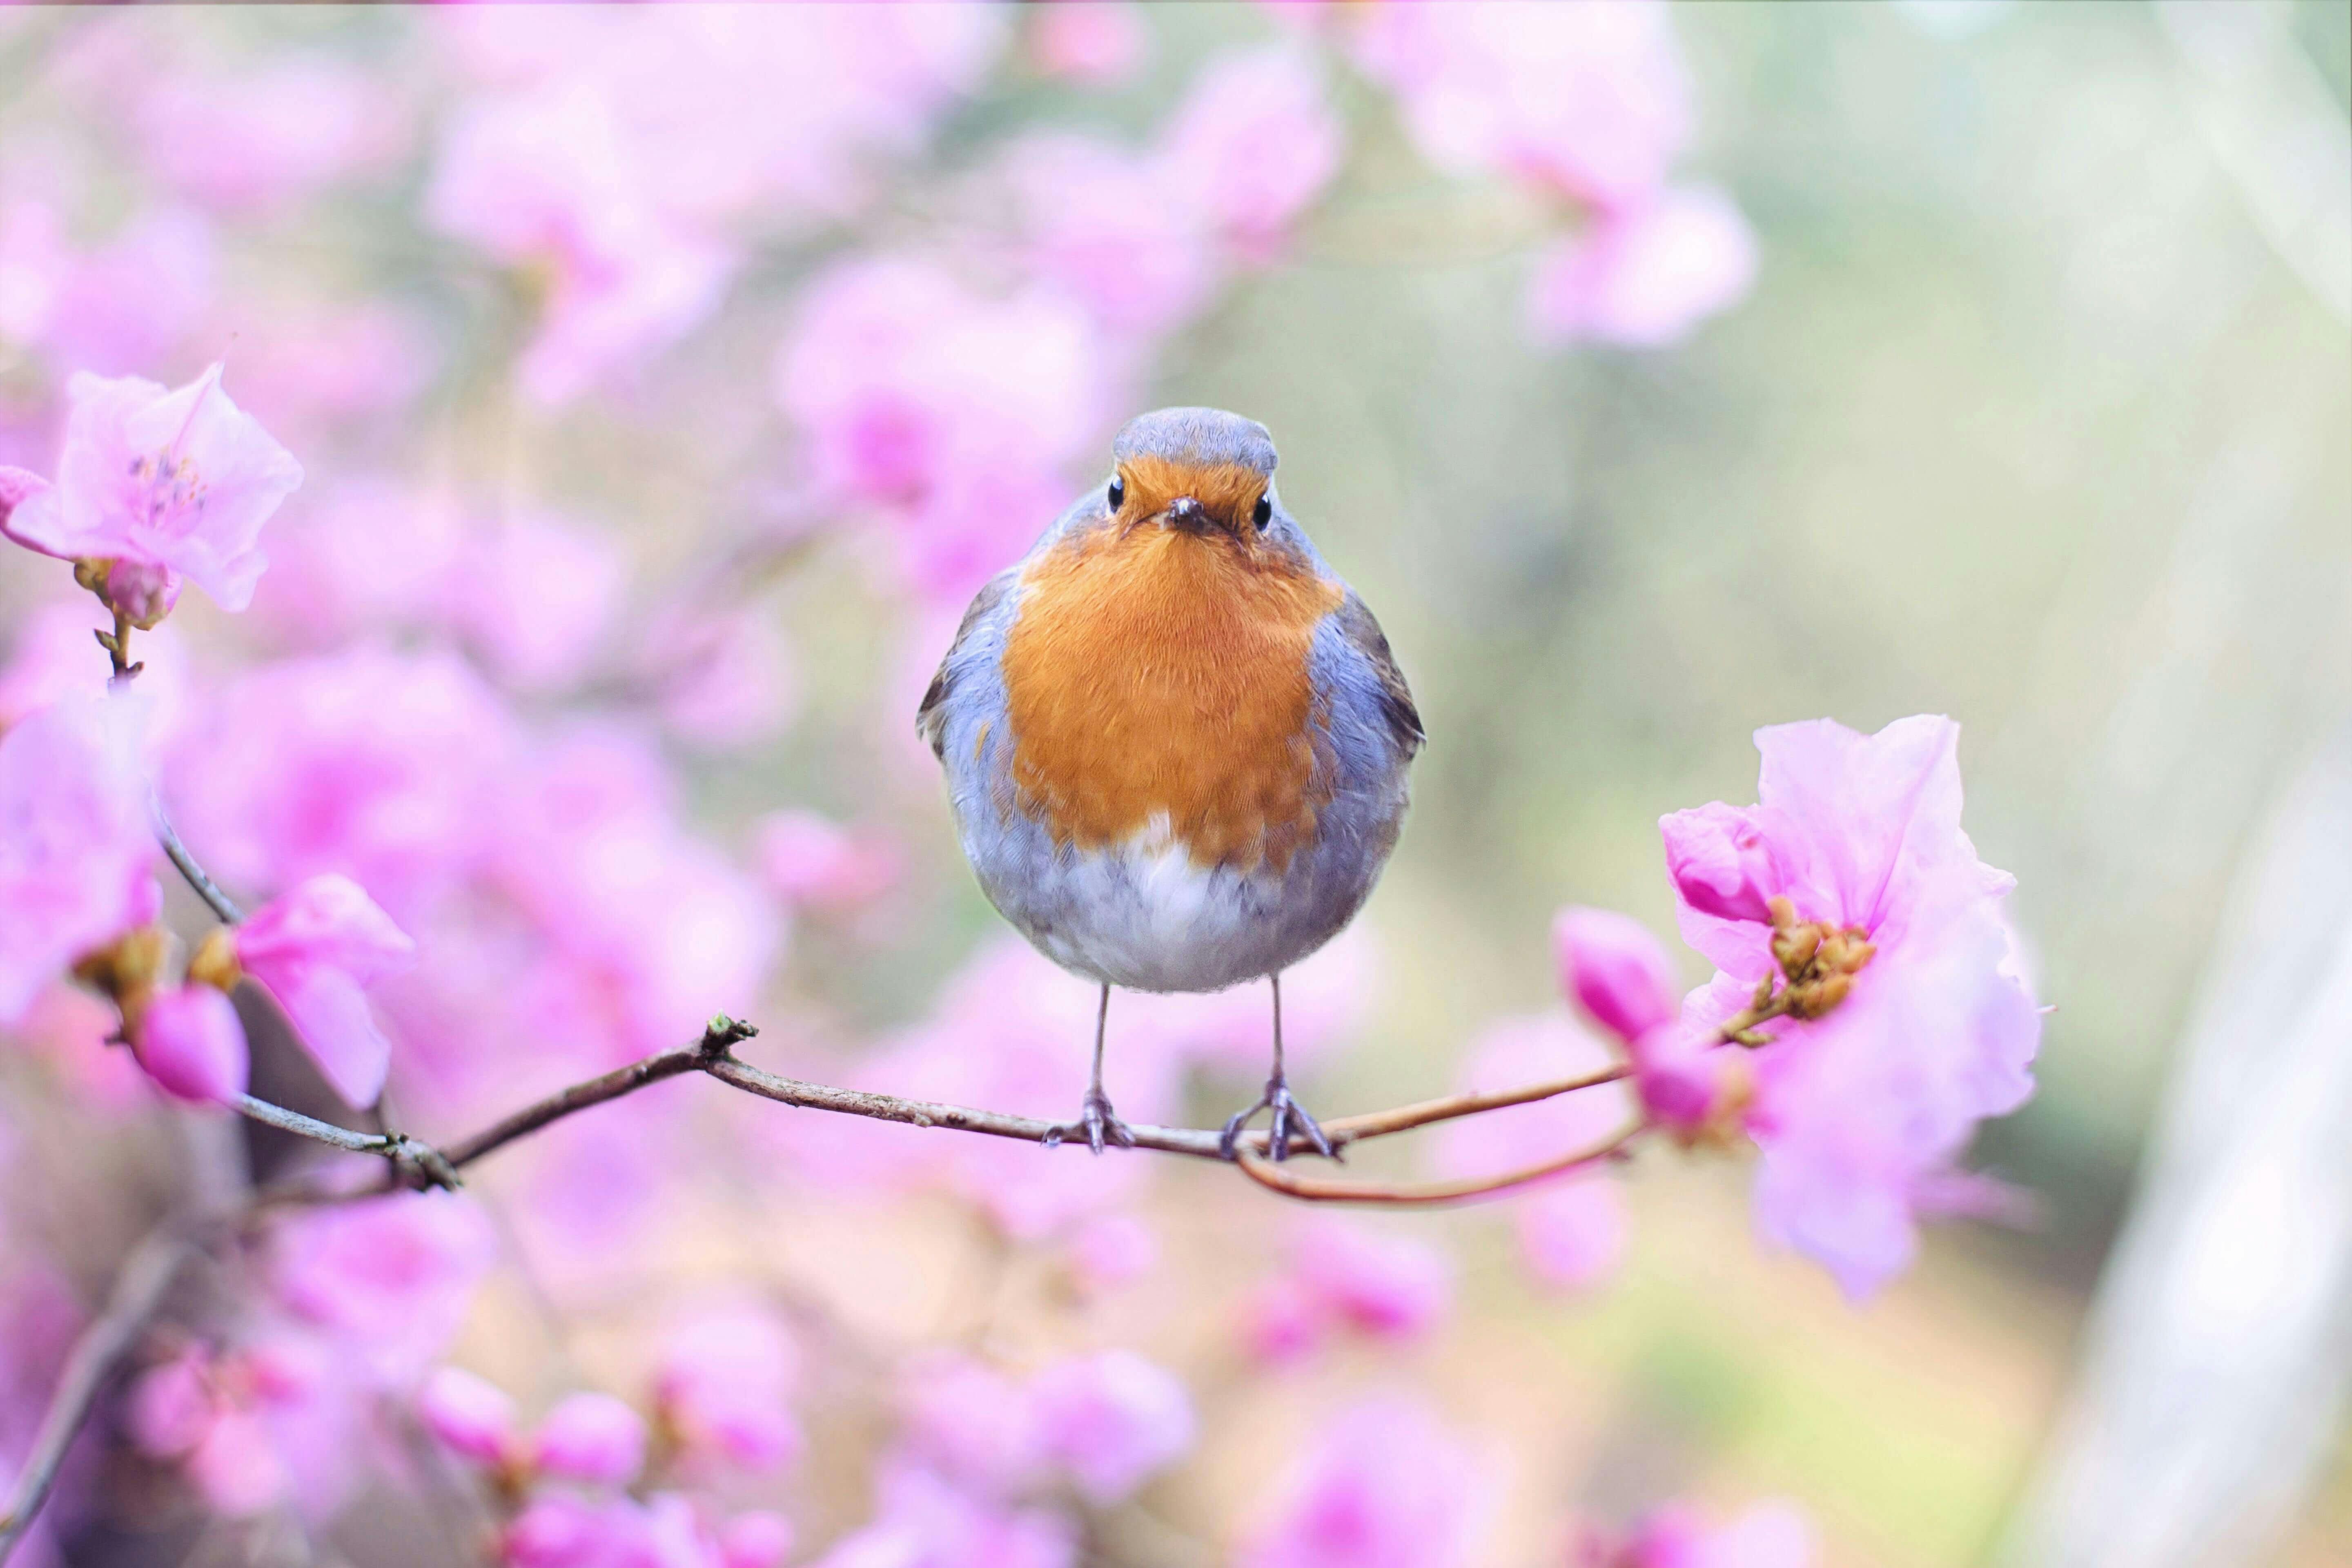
(1426, 1194)
(139, 1289)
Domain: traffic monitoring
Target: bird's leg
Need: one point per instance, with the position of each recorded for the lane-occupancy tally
(1289, 1117)
(1096, 1118)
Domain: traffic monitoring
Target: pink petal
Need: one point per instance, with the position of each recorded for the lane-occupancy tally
(1616, 971)
(191, 1043)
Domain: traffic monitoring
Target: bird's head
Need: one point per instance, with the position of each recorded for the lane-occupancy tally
(1200, 471)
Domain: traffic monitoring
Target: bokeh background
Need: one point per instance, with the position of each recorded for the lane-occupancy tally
(2033, 411)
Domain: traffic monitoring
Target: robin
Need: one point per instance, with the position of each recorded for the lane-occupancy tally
(1176, 743)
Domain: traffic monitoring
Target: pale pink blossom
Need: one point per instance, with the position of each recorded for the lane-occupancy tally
(136, 299)
(1572, 1229)
(1863, 1110)
(1389, 1285)
(36, 260)
(591, 1437)
(1765, 1535)
(316, 949)
(263, 137)
(1591, 100)
(1089, 221)
(190, 1042)
(1111, 1250)
(724, 679)
(1097, 42)
(975, 1424)
(1384, 1486)
(76, 839)
(755, 1540)
(471, 1416)
(1611, 966)
(813, 862)
(391, 1278)
(308, 361)
(535, 594)
(1643, 276)
(1252, 146)
(948, 412)
(1112, 1421)
(66, 1029)
(723, 1387)
(921, 1520)
(371, 555)
(53, 656)
(163, 485)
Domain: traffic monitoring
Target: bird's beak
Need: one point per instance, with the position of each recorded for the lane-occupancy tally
(1186, 513)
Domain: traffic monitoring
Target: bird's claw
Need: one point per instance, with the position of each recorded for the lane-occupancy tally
(1097, 1122)
(1290, 1120)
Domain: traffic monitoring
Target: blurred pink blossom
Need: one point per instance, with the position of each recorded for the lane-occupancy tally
(1385, 1485)
(1252, 146)
(535, 594)
(36, 260)
(161, 484)
(921, 1519)
(308, 362)
(471, 1416)
(1112, 1421)
(190, 1042)
(315, 950)
(1611, 966)
(1098, 42)
(812, 862)
(974, 1424)
(755, 1540)
(1766, 1535)
(53, 656)
(724, 679)
(723, 1386)
(591, 1437)
(1111, 1250)
(370, 555)
(950, 414)
(1389, 1285)
(391, 1278)
(1572, 1229)
(263, 137)
(262, 1426)
(74, 858)
(1091, 220)
(136, 300)
(1591, 100)
(1644, 274)
(1861, 1111)
(67, 1029)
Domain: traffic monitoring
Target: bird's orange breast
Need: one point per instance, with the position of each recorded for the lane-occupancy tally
(1153, 672)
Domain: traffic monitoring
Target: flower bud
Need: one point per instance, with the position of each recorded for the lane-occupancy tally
(591, 1437)
(1689, 1086)
(1719, 862)
(472, 1417)
(190, 1042)
(1616, 971)
(140, 592)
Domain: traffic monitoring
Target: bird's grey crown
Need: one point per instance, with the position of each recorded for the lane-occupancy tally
(1207, 437)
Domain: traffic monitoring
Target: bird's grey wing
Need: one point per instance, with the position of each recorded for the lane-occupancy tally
(931, 717)
(1361, 633)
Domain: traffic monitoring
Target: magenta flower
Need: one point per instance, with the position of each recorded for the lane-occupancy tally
(471, 1416)
(723, 1388)
(1390, 1286)
(592, 1438)
(161, 486)
(76, 839)
(1112, 1421)
(388, 1281)
(1385, 1487)
(316, 950)
(1646, 275)
(190, 1042)
(1870, 1090)
(1611, 966)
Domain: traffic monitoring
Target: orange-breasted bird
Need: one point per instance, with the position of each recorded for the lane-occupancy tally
(1176, 743)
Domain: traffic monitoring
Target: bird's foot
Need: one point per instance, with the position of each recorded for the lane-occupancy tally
(1290, 1120)
(1096, 1123)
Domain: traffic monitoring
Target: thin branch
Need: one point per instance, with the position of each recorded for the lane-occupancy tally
(1427, 1194)
(207, 889)
(431, 1168)
(139, 1289)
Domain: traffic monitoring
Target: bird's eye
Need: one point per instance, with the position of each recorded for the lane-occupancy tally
(1263, 513)
(1118, 494)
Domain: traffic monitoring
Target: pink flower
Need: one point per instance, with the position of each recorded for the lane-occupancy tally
(1384, 1487)
(1867, 1097)
(472, 1417)
(923, 1522)
(1112, 1421)
(1088, 41)
(1140, 263)
(1589, 101)
(163, 485)
(1644, 276)
(975, 1424)
(1252, 146)
(591, 1437)
(815, 863)
(1614, 969)
(535, 594)
(391, 1278)
(76, 840)
(755, 1540)
(1767, 1535)
(1574, 1234)
(316, 950)
(1390, 1286)
(53, 656)
(190, 1042)
(265, 137)
(725, 680)
(723, 1386)
(1111, 1250)
(136, 299)
(950, 414)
